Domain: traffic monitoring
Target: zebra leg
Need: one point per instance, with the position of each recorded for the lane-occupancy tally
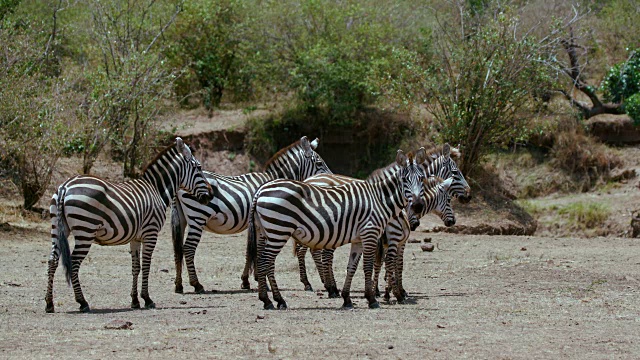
(301, 252)
(376, 272)
(135, 271)
(264, 263)
(190, 246)
(399, 269)
(178, 225)
(354, 259)
(368, 247)
(389, 267)
(317, 259)
(330, 281)
(80, 251)
(272, 248)
(53, 265)
(147, 250)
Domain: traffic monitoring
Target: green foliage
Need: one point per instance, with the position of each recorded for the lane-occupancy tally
(618, 28)
(632, 108)
(36, 112)
(623, 80)
(128, 89)
(589, 215)
(477, 85)
(7, 7)
(207, 43)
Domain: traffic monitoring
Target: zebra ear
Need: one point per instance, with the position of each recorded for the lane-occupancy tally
(401, 158)
(314, 144)
(446, 150)
(421, 155)
(306, 146)
(183, 148)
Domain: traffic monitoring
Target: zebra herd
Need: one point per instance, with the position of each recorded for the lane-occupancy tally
(297, 196)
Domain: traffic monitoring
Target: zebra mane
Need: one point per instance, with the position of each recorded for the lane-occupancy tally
(435, 152)
(160, 154)
(380, 173)
(280, 152)
(433, 181)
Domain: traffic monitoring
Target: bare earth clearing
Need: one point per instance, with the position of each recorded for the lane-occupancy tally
(473, 297)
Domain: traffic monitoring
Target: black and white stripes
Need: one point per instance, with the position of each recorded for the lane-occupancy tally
(94, 210)
(329, 217)
(228, 211)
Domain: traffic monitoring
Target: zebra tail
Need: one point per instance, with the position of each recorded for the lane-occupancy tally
(178, 225)
(252, 244)
(63, 241)
(380, 250)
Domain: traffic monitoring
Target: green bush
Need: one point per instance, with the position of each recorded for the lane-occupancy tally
(623, 80)
(632, 108)
(206, 42)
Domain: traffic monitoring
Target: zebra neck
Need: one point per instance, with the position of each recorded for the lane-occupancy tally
(391, 191)
(286, 166)
(163, 178)
(435, 167)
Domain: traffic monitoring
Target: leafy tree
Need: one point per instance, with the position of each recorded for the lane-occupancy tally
(36, 109)
(129, 88)
(478, 85)
(207, 44)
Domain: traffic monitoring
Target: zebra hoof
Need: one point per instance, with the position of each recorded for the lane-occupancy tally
(198, 289)
(135, 305)
(401, 300)
(50, 309)
(404, 293)
(179, 289)
(282, 305)
(374, 305)
(308, 288)
(245, 285)
(150, 305)
(377, 292)
(85, 308)
(387, 297)
(269, 306)
(347, 306)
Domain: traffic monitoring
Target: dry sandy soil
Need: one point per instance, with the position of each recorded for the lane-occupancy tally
(502, 297)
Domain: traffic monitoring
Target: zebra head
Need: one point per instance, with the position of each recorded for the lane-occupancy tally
(443, 166)
(443, 201)
(438, 200)
(191, 177)
(412, 174)
(312, 163)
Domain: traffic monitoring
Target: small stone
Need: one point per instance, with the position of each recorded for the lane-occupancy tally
(440, 326)
(182, 302)
(390, 347)
(260, 317)
(427, 240)
(413, 241)
(164, 270)
(119, 325)
(523, 249)
(427, 247)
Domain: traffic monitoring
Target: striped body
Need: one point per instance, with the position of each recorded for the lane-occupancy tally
(322, 217)
(228, 211)
(106, 213)
(438, 163)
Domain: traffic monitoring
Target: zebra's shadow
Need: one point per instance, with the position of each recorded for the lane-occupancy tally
(126, 310)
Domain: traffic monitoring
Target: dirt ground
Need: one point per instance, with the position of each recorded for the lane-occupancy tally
(498, 297)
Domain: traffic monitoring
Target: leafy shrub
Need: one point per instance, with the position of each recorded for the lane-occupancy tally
(623, 80)
(632, 108)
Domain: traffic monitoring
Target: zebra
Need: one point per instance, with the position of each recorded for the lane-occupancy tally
(436, 199)
(228, 211)
(438, 162)
(328, 217)
(397, 233)
(106, 213)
